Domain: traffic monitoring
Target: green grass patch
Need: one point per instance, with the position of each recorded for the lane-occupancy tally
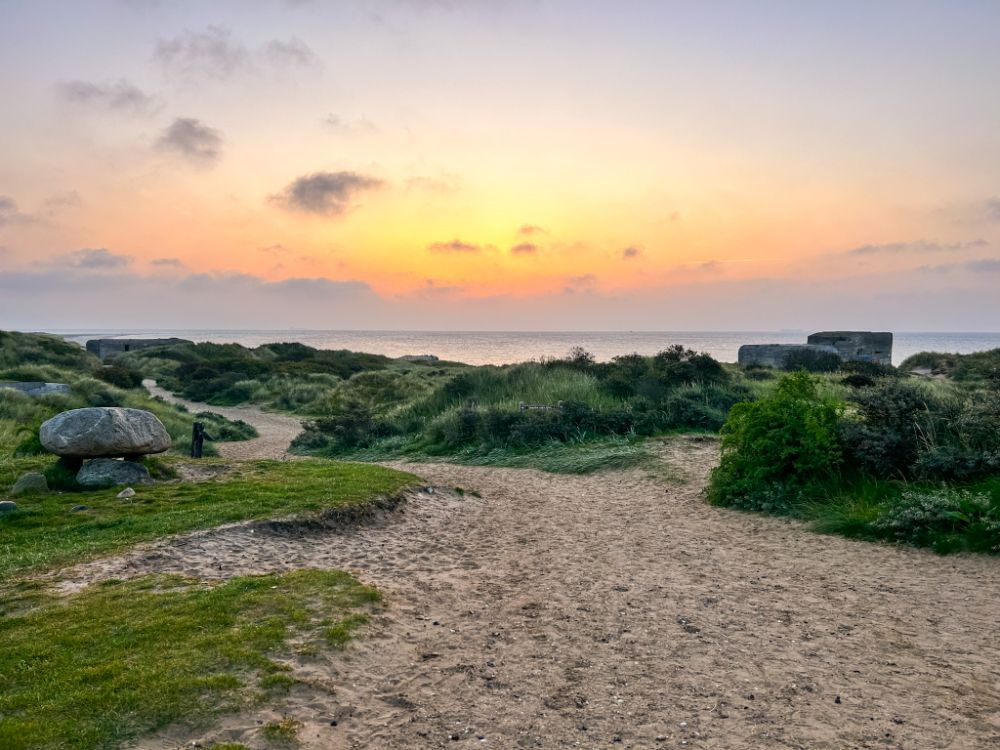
(580, 457)
(44, 533)
(125, 659)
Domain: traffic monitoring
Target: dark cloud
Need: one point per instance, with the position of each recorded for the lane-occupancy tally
(190, 139)
(992, 209)
(92, 259)
(529, 229)
(524, 248)
(631, 252)
(293, 53)
(454, 246)
(115, 96)
(212, 52)
(917, 246)
(325, 193)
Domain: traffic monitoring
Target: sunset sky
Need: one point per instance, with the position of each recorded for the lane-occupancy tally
(494, 164)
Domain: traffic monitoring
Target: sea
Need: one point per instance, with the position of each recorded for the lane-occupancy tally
(504, 347)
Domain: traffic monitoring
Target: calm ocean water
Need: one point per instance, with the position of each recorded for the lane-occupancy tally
(504, 347)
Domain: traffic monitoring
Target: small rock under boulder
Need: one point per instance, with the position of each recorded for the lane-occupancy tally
(104, 432)
(107, 472)
(33, 481)
(7, 506)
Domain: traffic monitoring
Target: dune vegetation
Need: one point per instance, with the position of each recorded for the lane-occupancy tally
(903, 459)
(289, 377)
(76, 668)
(545, 414)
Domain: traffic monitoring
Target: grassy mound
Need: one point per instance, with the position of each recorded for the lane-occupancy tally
(44, 533)
(978, 366)
(125, 659)
(39, 350)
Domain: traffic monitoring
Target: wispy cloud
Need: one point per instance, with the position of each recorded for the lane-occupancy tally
(531, 229)
(111, 96)
(214, 52)
(454, 246)
(325, 193)
(91, 259)
(631, 252)
(290, 53)
(188, 138)
(524, 248)
(345, 126)
(167, 263)
(9, 213)
(916, 247)
(976, 265)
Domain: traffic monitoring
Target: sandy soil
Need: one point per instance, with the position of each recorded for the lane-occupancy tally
(614, 610)
(276, 430)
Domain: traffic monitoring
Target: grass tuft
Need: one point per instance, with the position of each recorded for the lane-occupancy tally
(125, 659)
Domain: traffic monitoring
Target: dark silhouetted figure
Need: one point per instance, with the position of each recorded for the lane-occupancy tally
(198, 438)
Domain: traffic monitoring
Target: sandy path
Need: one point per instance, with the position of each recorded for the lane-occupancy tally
(615, 611)
(276, 430)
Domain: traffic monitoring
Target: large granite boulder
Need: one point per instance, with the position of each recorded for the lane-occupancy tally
(108, 472)
(33, 481)
(104, 432)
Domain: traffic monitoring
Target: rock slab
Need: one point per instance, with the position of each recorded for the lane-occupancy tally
(33, 481)
(107, 472)
(104, 432)
(7, 506)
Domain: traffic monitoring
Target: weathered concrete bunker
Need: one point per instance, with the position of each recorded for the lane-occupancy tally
(863, 346)
(106, 349)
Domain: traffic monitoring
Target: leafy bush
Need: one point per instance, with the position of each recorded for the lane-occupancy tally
(945, 519)
(119, 376)
(226, 430)
(885, 437)
(780, 450)
(872, 370)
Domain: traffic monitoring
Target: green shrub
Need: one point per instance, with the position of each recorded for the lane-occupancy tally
(226, 430)
(946, 519)
(780, 450)
(119, 376)
(885, 437)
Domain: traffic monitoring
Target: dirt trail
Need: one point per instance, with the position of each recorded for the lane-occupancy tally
(276, 430)
(613, 611)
